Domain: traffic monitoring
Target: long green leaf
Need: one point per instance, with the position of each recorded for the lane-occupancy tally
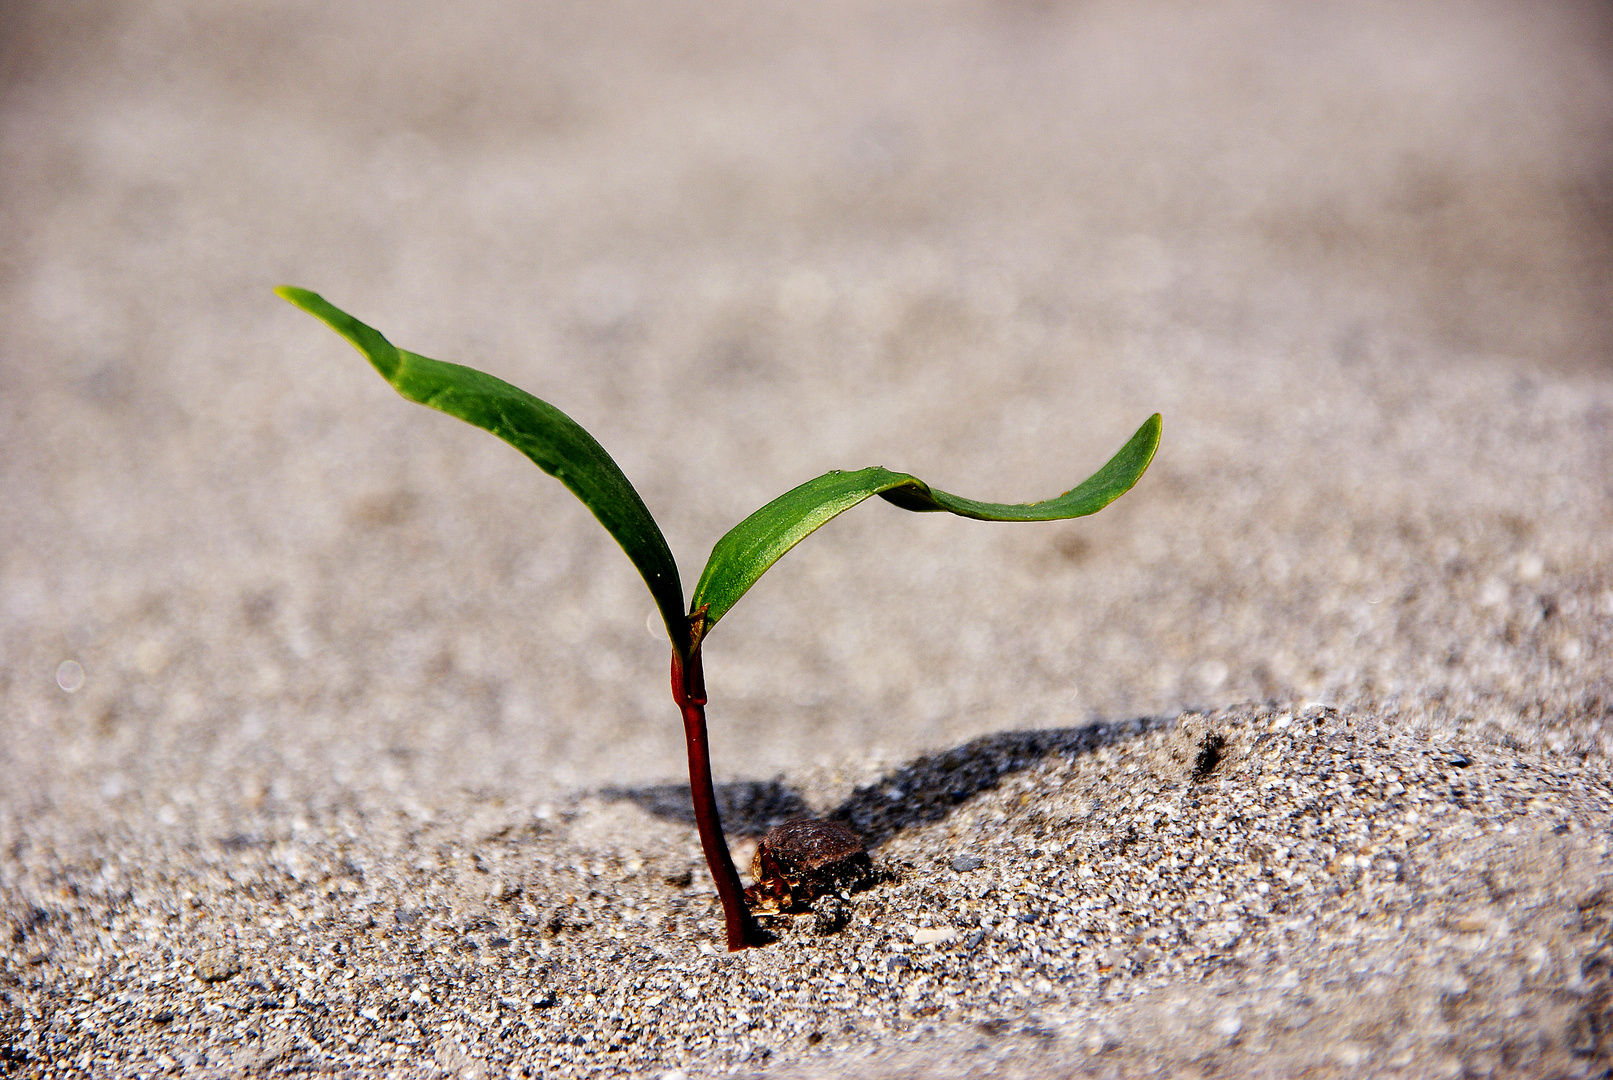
(749, 548)
(555, 442)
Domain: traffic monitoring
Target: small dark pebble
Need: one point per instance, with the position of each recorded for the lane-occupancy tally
(829, 914)
(898, 963)
(965, 863)
(973, 940)
(1460, 761)
(1209, 755)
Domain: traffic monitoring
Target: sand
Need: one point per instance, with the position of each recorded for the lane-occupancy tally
(363, 762)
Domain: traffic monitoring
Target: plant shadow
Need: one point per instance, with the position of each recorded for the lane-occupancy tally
(748, 807)
(923, 791)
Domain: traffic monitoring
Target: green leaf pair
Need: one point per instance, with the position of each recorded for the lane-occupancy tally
(560, 447)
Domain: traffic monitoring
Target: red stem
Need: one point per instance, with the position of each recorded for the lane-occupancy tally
(689, 691)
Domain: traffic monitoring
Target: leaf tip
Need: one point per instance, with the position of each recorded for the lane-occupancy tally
(366, 339)
(291, 294)
(1154, 426)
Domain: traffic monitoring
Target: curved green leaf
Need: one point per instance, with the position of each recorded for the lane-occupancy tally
(555, 442)
(749, 548)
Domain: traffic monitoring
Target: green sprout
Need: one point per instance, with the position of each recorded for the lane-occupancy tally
(560, 447)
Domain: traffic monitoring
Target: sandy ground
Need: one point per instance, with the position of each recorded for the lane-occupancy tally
(372, 769)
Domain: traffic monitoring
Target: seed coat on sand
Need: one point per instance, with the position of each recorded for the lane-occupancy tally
(798, 861)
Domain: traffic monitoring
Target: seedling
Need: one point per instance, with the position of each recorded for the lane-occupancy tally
(561, 448)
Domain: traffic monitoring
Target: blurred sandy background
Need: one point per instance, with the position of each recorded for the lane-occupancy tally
(745, 244)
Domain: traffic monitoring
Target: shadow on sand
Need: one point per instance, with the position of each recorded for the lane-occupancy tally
(922, 791)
